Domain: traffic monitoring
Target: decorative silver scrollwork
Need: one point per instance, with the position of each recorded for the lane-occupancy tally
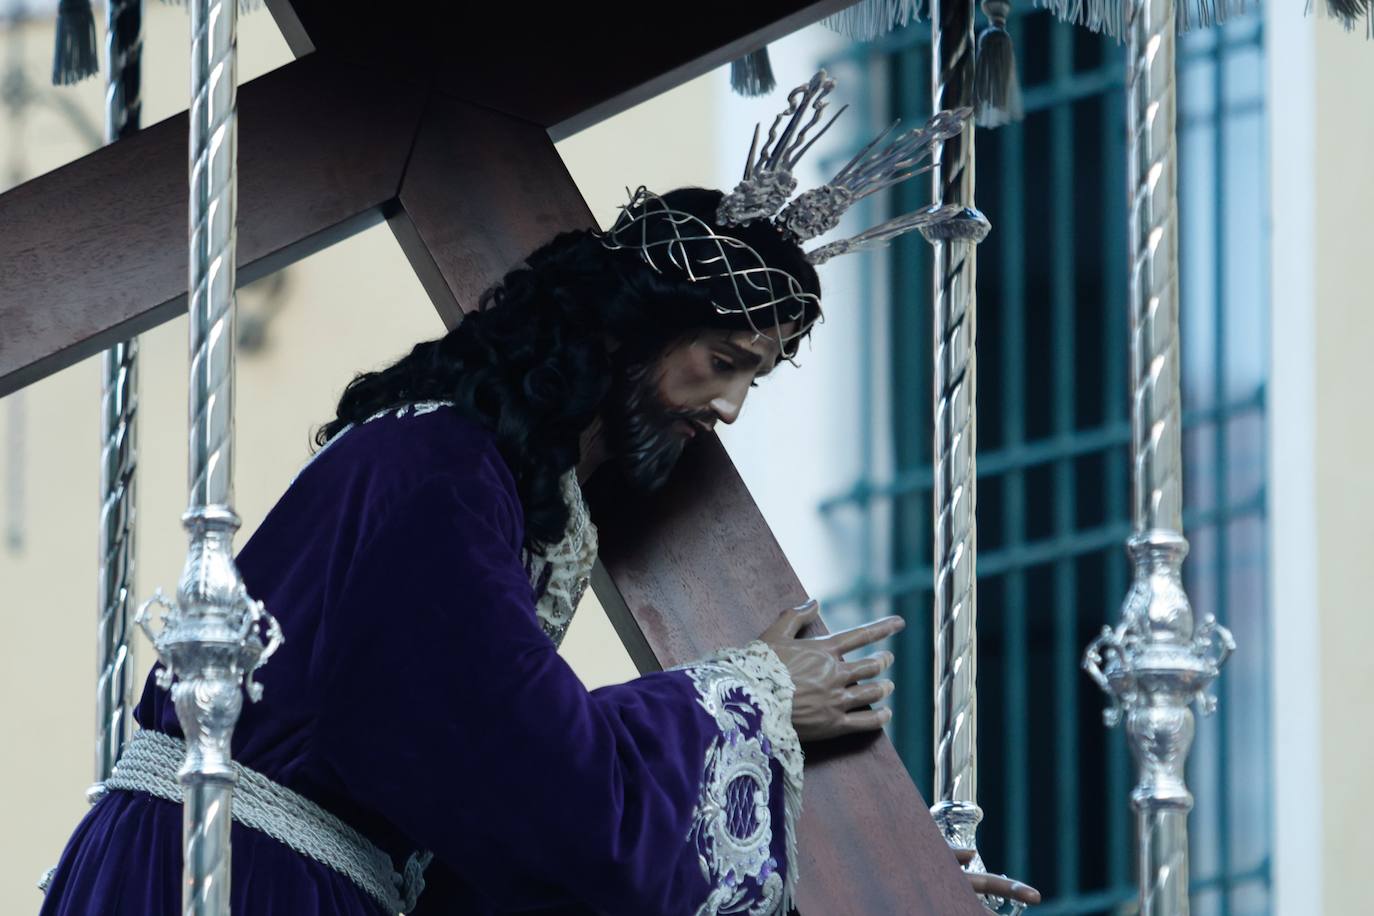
(1153, 666)
(1106, 651)
(1214, 644)
(142, 620)
(256, 637)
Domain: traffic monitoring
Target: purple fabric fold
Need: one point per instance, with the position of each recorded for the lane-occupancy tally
(417, 698)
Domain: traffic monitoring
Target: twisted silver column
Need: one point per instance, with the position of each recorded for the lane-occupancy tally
(118, 467)
(955, 243)
(212, 637)
(1155, 662)
(118, 433)
(123, 68)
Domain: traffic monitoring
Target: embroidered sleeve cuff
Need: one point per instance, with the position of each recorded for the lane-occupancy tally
(748, 691)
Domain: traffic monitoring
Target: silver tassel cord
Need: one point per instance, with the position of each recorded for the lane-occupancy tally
(212, 637)
(955, 242)
(1155, 662)
(118, 434)
(870, 19)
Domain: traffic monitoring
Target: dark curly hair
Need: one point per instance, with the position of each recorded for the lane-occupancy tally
(534, 362)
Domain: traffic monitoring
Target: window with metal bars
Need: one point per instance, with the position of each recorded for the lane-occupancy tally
(1053, 462)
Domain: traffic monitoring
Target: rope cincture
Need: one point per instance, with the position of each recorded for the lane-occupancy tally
(150, 764)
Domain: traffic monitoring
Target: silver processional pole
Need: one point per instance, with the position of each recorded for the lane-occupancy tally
(118, 431)
(955, 243)
(1155, 662)
(211, 639)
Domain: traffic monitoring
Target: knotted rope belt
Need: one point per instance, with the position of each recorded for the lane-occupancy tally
(150, 762)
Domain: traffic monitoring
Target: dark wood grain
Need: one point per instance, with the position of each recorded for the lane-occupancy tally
(482, 191)
(563, 66)
(696, 567)
(95, 251)
(692, 568)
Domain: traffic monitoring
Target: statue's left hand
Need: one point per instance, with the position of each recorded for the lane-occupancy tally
(996, 885)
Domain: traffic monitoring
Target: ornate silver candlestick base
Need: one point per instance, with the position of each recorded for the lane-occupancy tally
(1154, 664)
(212, 640)
(958, 823)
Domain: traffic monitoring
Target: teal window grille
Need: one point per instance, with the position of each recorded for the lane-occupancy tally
(1053, 458)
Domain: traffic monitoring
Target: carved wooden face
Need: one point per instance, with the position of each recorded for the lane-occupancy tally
(710, 374)
(655, 409)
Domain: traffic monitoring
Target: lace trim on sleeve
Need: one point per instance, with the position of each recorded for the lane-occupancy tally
(561, 574)
(748, 692)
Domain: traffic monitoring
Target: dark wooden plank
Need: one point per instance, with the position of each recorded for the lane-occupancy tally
(483, 189)
(564, 66)
(95, 251)
(694, 567)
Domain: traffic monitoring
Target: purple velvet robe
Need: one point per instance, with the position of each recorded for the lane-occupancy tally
(417, 698)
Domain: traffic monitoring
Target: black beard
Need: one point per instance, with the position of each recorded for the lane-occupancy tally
(641, 431)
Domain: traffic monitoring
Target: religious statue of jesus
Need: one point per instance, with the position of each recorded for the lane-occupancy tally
(426, 562)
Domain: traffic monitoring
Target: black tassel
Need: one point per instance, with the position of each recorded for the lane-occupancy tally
(752, 74)
(1350, 12)
(996, 87)
(74, 57)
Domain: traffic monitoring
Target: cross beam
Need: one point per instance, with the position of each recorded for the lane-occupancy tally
(563, 66)
(93, 252)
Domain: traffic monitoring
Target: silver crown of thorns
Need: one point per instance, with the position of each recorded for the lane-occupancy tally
(692, 246)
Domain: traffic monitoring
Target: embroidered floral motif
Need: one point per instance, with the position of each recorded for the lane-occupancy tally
(749, 694)
(418, 409)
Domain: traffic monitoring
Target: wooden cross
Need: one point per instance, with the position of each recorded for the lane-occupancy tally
(441, 121)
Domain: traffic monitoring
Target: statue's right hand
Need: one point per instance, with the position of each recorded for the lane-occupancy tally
(831, 692)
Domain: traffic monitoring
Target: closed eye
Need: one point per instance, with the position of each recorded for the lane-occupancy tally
(724, 366)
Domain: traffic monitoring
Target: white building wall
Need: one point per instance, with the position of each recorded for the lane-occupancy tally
(1321, 129)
